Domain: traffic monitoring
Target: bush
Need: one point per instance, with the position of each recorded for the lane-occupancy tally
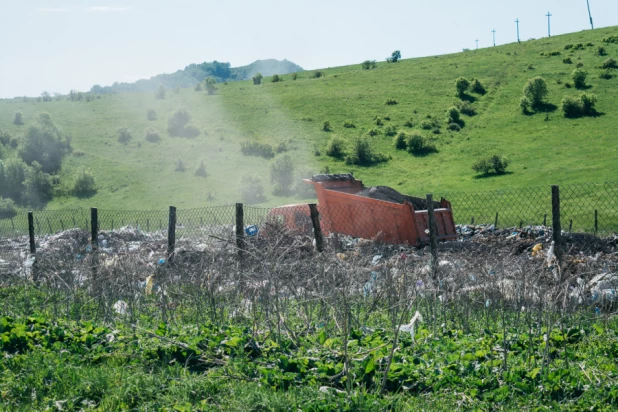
(85, 184)
(151, 114)
(178, 125)
(180, 166)
(466, 108)
(44, 142)
(264, 150)
(5, 137)
(454, 127)
(335, 147)
(152, 135)
(536, 91)
(282, 175)
(571, 107)
(7, 208)
(400, 141)
(369, 64)
(373, 132)
(600, 51)
(251, 189)
(477, 87)
(201, 170)
(281, 147)
(14, 142)
(257, 79)
(426, 125)
(191, 131)
(363, 155)
(160, 93)
(378, 121)
(391, 102)
(317, 74)
(491, 165)
(124, 134)
(453, 115)
(588, 101)
(198, 87)
(349, 125)
(579, 65)
(579, 78)
(209, 85)
(395, 56)
(609, 63)
(409, 123)
(294, 76)
(417, 144)
(568, 85)
(461, 85)
(276, 78)
(390, 131)
(611, 39)
(567, 60)
(525, 104)
(606, 75)
(18, 119)
(326, 127)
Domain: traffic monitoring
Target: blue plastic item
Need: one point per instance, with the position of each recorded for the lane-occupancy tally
(251, 230)
(161, 261)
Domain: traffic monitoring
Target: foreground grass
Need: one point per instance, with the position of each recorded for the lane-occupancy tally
(67, 365)
(544, 148)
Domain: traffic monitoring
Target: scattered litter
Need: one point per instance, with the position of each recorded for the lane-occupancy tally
(410, 326)
(120, 307)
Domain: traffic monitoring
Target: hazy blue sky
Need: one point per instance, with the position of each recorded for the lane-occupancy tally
(58, 45)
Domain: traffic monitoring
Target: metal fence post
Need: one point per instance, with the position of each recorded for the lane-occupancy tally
(31, 232)
(556, 226)
(496, 222)
(596, 221)
(433, 237)
(171, 234)
(94, 226)
(317, 229)
(240, 228)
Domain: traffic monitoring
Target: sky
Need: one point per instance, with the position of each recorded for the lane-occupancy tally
(59, 45)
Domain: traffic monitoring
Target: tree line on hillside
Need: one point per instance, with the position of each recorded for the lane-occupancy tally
(195, 74)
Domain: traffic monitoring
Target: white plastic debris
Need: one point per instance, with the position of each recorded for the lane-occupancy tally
(120, 307)
(410, 326)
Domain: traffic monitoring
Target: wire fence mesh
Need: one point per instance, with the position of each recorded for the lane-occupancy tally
(585, 208)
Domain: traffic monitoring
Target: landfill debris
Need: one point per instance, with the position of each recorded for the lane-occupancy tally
(410, 326)
(120, 307)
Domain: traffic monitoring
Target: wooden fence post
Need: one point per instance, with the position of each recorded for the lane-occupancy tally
(496, 222)
(556, 226)
(433, 236)
(31, 232)
(596, 221)
(240, 228)
(317, 229)
(94, 227)
(171, 234)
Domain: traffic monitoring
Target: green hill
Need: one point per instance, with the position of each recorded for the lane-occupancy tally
(542, 148)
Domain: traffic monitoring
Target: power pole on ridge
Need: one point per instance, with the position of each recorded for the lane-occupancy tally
(477, 44)
(517, 22)
(548, 24)
(494, 33)
(590, 15)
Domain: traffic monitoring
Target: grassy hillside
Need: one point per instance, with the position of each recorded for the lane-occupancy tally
(543, 148)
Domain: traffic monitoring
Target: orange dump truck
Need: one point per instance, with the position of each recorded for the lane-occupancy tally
(347, 207)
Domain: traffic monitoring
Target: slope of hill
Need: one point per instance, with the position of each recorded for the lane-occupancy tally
(196, 73)
(543, 148)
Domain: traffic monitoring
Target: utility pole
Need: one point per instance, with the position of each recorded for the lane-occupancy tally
(517, 22)
(494, 33)
(548, 24)
(590, 15)
(477, 44)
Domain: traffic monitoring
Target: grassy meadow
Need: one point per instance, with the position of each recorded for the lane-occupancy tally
(543, 148)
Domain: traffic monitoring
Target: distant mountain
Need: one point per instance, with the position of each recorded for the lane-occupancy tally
(196, 73)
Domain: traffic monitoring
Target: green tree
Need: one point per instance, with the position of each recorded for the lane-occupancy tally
(45, 143)
(18, 120)
(38, 186)
(579, 78)
(536, 91)
(395, 56)
(282, 175)
(160, 93)
(257, 78)
(209, 85)
(176, 124)
(13, 178)
(461, 85)
(85, 183)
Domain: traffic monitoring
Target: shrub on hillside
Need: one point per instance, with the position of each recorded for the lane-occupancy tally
(152, 135)
(426, 125)
(409, 123)
(335, 147)
(395, 57)
(326, 127)
(7, 208)
(477, 87)
(180, 166)
(491, 165)
(251, 189)
(453, 115)
(191, 131)
(600, 51)
(574, 107)
(369, 64)
(5, 138)
(282, 175)
(317, 74)
(461, 85)
(455, 127)
(606, 75)
(44, 142)
(373, 132)
(536, 91)
(124, 134)
(466, 108)
(579, 65)
(609, 63)
(264, 150)
(275, 78)
(85, 184)
(349, 125)
(390, 131)
(257, 79)
(567, 60)
(294, 76)
(201, 169)
(378, 121)
(525, 104)
(151, 114)
(178, 125)
(391, 102)
(38, 188)
(362, 154)
(209, 84)
(160, 93)
(579, 78)
(18, 119)
(400, 141)
(281, 147)
(419, 145)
